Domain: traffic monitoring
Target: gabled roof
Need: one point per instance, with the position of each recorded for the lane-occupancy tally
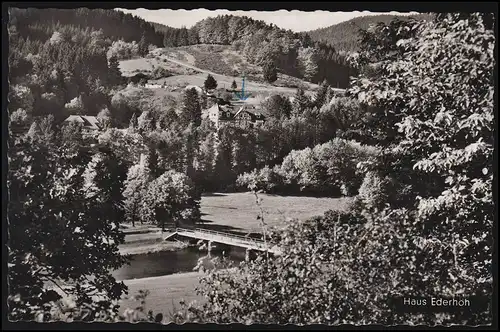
(90, 122)
(252, 111)
(214, 107)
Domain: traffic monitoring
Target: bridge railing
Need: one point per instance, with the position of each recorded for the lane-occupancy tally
(258, 243)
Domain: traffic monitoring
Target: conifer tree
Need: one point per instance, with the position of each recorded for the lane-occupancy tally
(210, 83)
(191, 110)
(143, 46)
(321, 94)
(115, 75)
(152, 161)
(301, 102)
(270, 72)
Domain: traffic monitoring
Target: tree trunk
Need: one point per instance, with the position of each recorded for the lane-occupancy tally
(133, 216)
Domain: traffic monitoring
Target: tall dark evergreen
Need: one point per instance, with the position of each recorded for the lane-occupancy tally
(143, 46)
(321, 95)
(115, 75)
(300, 102)
(210, 83)
(270, 72)
(191, 110)
(183, 37)
(167, 42)
(152, 161)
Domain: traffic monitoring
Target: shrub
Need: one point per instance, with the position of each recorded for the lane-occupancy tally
(340, 159)
(160, 72)
(212, 63)
(19, 117)
(123, 50)
(373, 192)
(298, 170)
(331, 265)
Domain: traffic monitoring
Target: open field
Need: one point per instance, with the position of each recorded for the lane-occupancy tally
(131, 67)
(237, 212)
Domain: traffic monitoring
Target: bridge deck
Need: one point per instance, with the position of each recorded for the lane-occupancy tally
(225, 238)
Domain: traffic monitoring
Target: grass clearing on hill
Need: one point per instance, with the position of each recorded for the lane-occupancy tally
(222, 60)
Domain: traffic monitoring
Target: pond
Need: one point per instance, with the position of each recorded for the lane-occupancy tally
(169, 262)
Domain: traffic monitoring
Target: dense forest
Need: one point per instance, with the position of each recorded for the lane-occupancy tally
(344, 37)
(39, 24)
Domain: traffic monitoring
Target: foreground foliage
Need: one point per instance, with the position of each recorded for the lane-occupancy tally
(63, 234)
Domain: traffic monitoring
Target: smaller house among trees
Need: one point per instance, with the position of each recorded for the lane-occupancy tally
(247, 117)
(90, 124)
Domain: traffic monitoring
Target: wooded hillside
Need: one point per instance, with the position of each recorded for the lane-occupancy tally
(344, 36)
(293, 54)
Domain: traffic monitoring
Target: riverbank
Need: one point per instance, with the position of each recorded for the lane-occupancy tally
(141, 248)
(165, 292)
(147, 239)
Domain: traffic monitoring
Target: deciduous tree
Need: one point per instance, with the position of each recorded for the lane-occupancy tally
(59, 233)
(171, 199)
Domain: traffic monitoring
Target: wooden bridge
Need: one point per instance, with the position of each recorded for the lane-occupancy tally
(224, 238)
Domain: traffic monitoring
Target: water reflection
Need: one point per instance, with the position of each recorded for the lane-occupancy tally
(170, 262)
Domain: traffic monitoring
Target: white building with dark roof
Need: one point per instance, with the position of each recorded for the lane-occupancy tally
(245, 116)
